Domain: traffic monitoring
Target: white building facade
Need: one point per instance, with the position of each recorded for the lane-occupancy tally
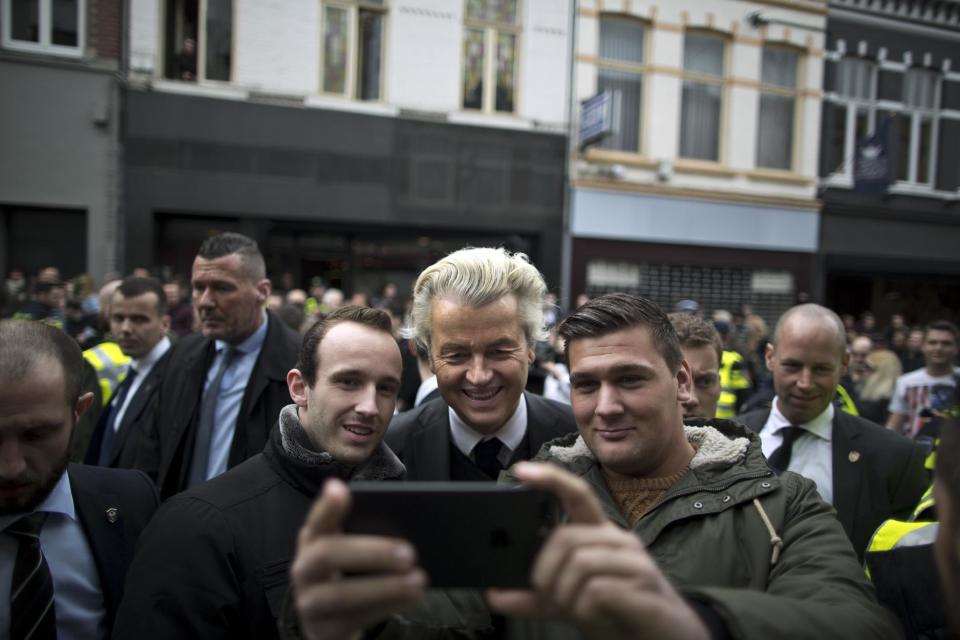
(345, 133)
(707, 186)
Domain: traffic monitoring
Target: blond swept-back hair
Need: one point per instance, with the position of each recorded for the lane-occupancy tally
(478, 276)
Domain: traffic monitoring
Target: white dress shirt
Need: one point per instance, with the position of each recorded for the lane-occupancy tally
(510, 434)
(142, 366)
(812, 454)
(426, 388)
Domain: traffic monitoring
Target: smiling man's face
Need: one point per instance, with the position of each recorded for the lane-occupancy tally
(481, 358)
(627, 402)
(807, 362)
(347, 409)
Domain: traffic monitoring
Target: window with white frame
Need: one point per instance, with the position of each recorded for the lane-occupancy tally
(917, 123)
(353, 36)
(44, 26)
(869, 96)
(199, 40)
(778, 107)
(490, 45)
(620, 69)
(852, 102)
(702, 98)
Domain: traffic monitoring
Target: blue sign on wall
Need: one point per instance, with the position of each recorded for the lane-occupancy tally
(596, 118)
(871, 164)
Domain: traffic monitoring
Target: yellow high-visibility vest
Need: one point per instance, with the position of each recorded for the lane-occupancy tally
(845, 402)
(110, 363)
(731, 381)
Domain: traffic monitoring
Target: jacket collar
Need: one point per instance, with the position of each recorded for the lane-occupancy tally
(107, 539)
(727, 454)
(716, 449)
(290, 453)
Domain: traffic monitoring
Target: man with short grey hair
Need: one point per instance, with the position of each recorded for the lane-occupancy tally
(478, 313)
(223, 388)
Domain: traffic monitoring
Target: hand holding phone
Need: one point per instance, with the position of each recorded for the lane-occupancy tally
(345, 583)
(594, 574)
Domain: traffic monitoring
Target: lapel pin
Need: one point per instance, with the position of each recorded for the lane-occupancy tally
(854, 456)
(112, 515)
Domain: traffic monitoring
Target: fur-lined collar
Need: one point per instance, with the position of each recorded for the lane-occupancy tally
(382, 465)
(714, 450)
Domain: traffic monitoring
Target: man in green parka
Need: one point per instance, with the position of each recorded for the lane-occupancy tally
(671, 530)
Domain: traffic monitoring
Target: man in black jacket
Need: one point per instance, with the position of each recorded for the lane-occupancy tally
(478, 314)
(869, 474)
(222, 389)
(67, 532)
(139, 323)
(215, 561)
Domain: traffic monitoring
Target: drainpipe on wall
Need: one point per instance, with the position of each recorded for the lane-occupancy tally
(566, 258)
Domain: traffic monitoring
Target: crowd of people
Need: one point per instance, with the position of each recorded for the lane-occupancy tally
(179, 468)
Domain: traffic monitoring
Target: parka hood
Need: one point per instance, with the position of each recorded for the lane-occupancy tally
(720, 444)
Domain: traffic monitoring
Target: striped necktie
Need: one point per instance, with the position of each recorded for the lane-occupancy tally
(32, 612)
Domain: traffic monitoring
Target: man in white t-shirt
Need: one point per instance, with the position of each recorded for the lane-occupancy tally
(925, 393)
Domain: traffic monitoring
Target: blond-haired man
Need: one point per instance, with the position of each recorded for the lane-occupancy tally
(478, 313)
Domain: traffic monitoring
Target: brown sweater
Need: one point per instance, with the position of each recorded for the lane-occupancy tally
(636, 496)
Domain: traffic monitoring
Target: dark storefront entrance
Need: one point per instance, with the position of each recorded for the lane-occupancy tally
(919, 297)
(357, 199)
(351, 259)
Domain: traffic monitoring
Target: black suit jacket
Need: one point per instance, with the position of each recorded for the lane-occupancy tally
(123, 448)
(877, 474)
(113, 506)
(421, 437)
(170, 430)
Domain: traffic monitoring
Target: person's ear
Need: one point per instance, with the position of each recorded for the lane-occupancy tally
(297, 387)
(83, 403)
(264, 289)
(684, 382)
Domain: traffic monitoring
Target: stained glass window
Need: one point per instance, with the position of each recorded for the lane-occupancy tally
(490, 55)
(335, 50)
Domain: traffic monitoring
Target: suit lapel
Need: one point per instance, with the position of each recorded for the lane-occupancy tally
(432, 444)
(755, 420)
(540, 423)
(104, 533)
(847, 478)
(191, 388)
(270, 367)
(175, 451)
(133, 413)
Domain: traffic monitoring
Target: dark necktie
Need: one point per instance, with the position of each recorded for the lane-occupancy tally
(780, 459)
(208, 415)
(110, 431)
(32, 612)
(486, 455)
